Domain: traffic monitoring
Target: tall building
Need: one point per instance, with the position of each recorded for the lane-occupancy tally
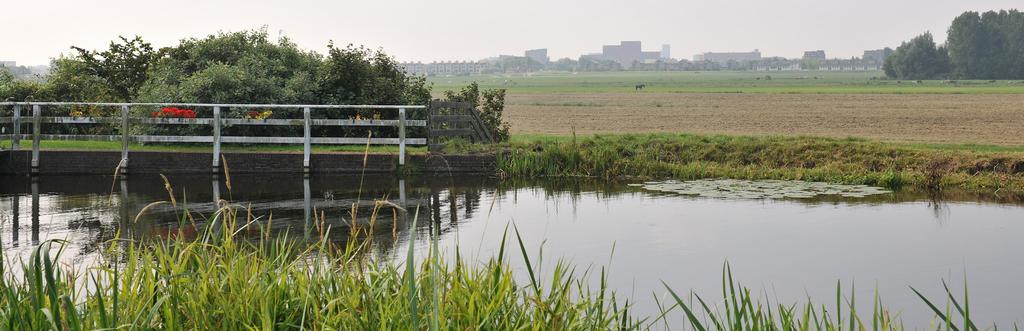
(728, 56)
(877, 55)
(666, 51)
(628, 52)
(540, 55)
(818, 55)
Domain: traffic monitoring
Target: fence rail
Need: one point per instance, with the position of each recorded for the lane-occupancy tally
(216, 122)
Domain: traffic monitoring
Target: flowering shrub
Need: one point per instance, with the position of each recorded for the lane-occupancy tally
(257, 115)
(174, 112)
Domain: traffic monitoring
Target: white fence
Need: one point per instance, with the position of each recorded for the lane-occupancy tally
(217, 122)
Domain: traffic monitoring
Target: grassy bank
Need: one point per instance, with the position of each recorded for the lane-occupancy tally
(220, 282)
(683, 156)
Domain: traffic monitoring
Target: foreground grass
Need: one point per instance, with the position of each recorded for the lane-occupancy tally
(217, 282)
(684, 156)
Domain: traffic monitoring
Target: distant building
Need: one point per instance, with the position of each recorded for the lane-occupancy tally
(9, 64)
(776, 64)
(539, 55)
(877, 55)
(818, 55)
(853, 64)
(666, 51)
(728, 56)
(628, 52)
(444, 68)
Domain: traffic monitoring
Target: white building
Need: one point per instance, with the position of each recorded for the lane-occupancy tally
(444, 68)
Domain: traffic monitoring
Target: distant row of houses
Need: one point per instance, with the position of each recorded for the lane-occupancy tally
(629, 55)
(446, 68)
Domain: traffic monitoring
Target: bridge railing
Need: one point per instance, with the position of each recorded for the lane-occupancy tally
(19, 116)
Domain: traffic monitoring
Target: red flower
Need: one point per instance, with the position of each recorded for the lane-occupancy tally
(174, 112)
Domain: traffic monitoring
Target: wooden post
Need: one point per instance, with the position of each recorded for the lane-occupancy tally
(307, 209)
(124, 139)
(37, 126)
(216, 191)
(306, 146)
(35, 209)
(216, 140)
(15, 201)
(16, 129)
(401, 136)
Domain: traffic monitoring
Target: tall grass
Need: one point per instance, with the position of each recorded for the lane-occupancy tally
(218, 281)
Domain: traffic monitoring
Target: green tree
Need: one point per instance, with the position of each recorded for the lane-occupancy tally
(490, 104)
(356, 75)
(123, 66)
(988, 45)
(239, 67)
(918, 58)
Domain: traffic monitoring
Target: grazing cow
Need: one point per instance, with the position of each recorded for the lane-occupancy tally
(640, 86)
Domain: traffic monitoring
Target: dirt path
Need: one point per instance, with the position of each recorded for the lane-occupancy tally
(929, 118)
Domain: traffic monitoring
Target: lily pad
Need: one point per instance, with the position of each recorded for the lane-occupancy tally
(760, 189)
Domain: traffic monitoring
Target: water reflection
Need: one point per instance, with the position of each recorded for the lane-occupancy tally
(91, 210)
(794, 247)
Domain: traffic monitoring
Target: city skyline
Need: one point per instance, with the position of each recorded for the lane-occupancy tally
(476, 31)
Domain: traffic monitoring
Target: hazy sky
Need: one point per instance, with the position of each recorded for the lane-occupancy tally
(32, 31)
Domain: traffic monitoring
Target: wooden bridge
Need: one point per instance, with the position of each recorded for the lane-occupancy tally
(440, 120)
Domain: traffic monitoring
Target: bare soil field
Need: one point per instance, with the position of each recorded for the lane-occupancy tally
(992, 119)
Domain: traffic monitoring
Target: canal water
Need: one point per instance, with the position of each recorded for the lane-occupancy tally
(787, 250)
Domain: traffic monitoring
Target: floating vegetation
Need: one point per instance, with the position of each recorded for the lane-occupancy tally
(760, 189)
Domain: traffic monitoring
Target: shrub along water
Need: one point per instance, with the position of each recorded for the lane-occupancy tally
(685, 156)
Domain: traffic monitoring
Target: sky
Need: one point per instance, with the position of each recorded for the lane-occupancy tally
(34, 31)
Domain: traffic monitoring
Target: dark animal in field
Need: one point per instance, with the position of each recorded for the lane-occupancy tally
(640, 86)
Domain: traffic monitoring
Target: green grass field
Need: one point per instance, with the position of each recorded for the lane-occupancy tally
(721, 82)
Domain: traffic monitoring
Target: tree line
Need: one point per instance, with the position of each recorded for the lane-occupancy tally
(986, 45)
(238, 67)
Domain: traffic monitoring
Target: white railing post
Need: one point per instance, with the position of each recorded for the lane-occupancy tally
(37, 126)
(216, 139)
(401, 136)
(16, 129)
(124, 138)
(306, 137)
(307, 209)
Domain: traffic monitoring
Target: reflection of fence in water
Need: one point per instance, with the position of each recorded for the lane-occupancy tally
(440, 207)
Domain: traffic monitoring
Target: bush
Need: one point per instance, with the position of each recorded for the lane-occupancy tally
(490, 104)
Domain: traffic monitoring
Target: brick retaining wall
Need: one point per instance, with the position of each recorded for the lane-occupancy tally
(104, 162)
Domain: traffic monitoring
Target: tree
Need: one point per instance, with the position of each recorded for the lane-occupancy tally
(490, 104)
(565, 64)
(918, 58)
(356, 75)
(988, 45)
(239, 67)
(123, 66)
